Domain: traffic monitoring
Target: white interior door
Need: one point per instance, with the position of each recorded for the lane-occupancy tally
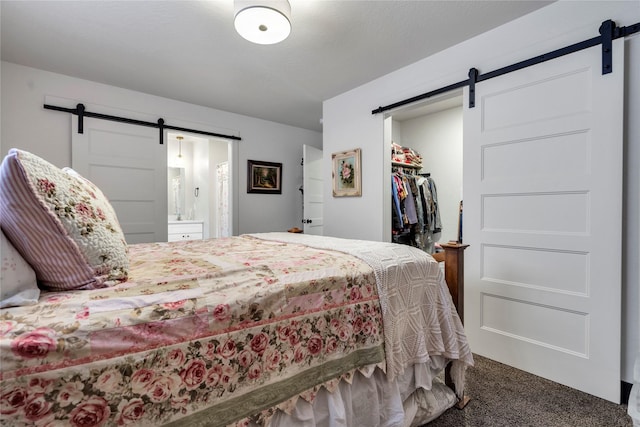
(129, 165)
(312, 186)
(542, 213)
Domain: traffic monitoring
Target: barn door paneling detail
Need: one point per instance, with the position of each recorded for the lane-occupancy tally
(543, 211)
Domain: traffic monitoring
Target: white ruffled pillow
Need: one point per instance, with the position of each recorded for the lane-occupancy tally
(18, 285)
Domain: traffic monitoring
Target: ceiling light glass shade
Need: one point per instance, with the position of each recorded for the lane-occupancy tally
(263, 22)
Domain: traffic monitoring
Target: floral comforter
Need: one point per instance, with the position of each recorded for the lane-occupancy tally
(209, 331)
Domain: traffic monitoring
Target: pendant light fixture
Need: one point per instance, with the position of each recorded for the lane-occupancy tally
(180, 160)
(180, 138)
(263, 21)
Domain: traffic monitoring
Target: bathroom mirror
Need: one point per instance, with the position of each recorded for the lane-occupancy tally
(176, 185)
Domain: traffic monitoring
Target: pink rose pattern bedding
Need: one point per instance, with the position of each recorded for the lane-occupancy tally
(214, 330)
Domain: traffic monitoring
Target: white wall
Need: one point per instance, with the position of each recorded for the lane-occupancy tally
(438, 139)
(396, 131)
(348, 122)
(26, 125)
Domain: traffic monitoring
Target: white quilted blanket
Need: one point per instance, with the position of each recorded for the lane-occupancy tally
(419, 317)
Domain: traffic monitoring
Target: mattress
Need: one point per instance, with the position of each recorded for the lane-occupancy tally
(225, 331)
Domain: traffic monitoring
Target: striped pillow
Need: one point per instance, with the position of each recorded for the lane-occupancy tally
(61, 224)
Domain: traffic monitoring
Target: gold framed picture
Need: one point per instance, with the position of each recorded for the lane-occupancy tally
(347, 173)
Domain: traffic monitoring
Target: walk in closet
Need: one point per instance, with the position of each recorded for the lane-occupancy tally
(415, 212)
(426, 159)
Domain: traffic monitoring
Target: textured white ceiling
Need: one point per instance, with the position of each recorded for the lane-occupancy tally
(189, 50)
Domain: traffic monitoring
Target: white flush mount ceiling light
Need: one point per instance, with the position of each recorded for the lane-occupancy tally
(263, 21)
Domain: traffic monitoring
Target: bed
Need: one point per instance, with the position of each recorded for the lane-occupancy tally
(277, 329)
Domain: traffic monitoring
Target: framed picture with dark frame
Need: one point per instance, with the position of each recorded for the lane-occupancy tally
(264, 177)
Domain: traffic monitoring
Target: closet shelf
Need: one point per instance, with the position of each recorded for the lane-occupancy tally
(406, 165)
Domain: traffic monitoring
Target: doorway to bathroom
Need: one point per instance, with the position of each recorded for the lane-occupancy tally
(199, 187)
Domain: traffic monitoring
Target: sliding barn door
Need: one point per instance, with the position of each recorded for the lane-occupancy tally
(542, 214)
(129, 165)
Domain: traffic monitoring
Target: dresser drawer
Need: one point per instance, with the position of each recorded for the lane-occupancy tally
(185, 231)
(185, 228)
(184, 236)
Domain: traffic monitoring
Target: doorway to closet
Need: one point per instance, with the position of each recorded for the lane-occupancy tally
(434, 131)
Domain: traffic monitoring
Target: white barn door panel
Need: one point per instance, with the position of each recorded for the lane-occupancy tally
(543, 211)
(129, 165)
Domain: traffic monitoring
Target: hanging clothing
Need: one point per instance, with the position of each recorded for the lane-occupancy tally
(402, 231)
(437, 223)
(410, 202)
(396, 212)
(415, 212)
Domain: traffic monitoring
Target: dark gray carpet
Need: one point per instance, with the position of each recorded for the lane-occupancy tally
(505, 396)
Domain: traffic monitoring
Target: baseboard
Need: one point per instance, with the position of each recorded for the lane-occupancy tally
(625, 391)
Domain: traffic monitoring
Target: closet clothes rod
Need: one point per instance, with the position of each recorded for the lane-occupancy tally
(609, 31)
(408, 171)
(82, 113)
